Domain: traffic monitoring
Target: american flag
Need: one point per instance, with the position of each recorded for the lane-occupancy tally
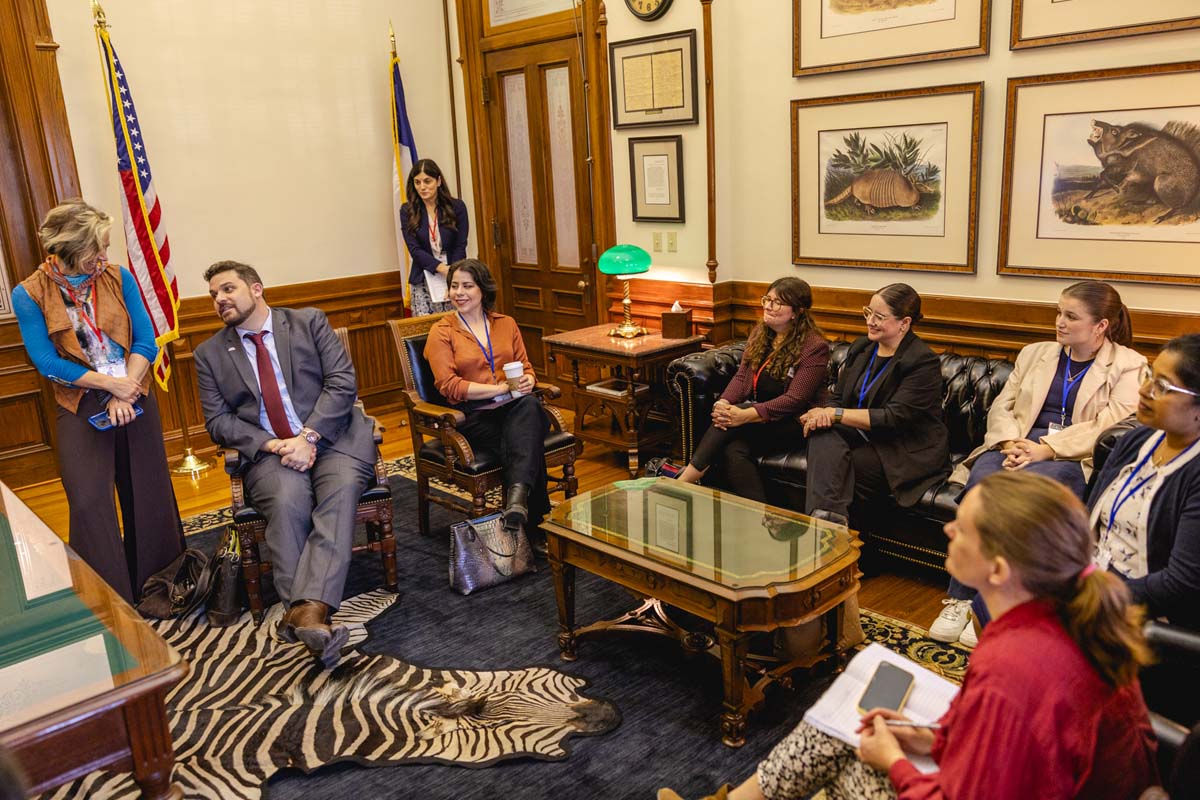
(404, 151)
(145, 234)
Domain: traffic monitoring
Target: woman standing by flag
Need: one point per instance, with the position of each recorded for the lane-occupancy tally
(86, 329)
(435, 228)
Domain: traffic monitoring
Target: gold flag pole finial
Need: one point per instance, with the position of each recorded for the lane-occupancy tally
(98, 14)
(391, 35)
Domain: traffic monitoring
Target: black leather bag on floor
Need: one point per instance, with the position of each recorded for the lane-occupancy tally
(483, 554)
(178, 587)
(226, 598)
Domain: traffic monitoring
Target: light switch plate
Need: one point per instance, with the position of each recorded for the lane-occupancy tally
(672, 242)
(657, 238)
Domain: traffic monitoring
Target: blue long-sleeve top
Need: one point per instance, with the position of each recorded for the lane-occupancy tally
(44, 355)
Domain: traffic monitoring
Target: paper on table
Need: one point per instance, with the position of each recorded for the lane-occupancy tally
(435, 282)
(41, 555)
(837, 715)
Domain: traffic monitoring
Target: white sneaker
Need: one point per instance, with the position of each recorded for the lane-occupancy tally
(950, 624)
(968, 638)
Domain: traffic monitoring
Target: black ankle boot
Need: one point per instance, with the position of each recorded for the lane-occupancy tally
(516, 510)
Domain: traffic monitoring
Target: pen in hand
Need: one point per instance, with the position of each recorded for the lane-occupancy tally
(900, 723)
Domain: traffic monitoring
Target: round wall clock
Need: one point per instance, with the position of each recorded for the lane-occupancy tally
(648, 9)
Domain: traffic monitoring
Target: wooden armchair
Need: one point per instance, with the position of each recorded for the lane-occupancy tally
(440, 451)
(374, 511)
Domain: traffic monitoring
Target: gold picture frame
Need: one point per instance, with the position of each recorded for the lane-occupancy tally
(1043, 23)
(843, 35)
(888, 180)
(1099, 152)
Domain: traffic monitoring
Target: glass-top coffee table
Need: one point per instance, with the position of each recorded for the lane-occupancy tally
(83, 678)
(744, 566)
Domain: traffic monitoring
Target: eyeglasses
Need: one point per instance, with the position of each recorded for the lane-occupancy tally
(771, 302)
(1161, 387)
(875, 316)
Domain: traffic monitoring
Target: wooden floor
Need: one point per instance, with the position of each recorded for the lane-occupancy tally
(913, 598)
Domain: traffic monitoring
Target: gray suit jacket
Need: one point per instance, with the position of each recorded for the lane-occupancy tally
(320, 382)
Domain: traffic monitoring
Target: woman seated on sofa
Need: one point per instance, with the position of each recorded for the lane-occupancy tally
(783, 370)
(884, 433)
(1060, 397)
(1050, 706)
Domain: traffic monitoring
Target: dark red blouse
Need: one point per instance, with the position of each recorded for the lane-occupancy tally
(805, 386)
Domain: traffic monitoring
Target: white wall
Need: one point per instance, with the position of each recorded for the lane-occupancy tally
(267, 124)
(752, 42)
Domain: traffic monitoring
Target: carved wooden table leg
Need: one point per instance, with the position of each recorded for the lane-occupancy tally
(564, 593)
(151, 748)
(733, 670)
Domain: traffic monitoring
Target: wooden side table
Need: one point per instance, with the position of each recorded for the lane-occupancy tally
(617, 415)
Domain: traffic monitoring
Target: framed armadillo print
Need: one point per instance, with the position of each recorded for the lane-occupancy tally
(1102, 175)
(1039, 23)
(842, 35)
(888, 180)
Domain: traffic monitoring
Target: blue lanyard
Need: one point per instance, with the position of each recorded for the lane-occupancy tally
(1069, 383)
(1122, 495)
(491, 359)
(868, 381)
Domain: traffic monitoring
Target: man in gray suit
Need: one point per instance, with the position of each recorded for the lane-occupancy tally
(277, 386)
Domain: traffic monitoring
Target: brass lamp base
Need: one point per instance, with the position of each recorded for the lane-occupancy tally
(190, 464)
(627, 329)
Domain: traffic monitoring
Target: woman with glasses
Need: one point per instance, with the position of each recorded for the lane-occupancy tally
(782, 371)
(884, 433)
(1060, 397)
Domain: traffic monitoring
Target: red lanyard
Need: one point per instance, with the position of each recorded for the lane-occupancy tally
(754, 389)
(434, 239)
(81, 307)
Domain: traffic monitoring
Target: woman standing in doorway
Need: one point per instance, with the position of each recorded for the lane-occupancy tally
(435, 228)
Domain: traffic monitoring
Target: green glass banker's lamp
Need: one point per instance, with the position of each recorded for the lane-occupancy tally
(623, 261)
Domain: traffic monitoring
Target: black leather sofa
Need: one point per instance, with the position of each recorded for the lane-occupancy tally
(970, 384)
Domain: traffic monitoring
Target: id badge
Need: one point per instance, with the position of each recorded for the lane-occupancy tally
(1055, 427)
(113, 369)
(1103, 559)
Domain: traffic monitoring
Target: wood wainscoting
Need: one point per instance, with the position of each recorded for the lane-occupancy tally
(361, 303)
(966, 325)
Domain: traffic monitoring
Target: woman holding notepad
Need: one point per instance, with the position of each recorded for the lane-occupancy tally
(434, 225)
(1050, 706)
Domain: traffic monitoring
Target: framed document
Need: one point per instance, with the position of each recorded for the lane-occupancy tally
(668, 524)
(1101, 177)
(502, 13)
(1039, 23)
(888, 180)
(654, 80)
(656, 178)
(843, 35)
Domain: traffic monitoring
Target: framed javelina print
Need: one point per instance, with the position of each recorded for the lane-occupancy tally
(887, 179)
(1102, 175)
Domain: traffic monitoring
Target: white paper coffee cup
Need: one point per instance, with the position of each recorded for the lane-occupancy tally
(513, 371)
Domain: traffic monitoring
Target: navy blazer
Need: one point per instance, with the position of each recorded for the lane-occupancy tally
(1172, 586)
(454, 241)
(905, 406)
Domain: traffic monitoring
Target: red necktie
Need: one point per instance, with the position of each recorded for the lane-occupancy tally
(270, 387)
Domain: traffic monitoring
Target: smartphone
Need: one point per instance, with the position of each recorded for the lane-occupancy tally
(101, 422)
(889, 688)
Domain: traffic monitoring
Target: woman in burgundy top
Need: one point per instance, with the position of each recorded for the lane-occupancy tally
(1050, 706)
(783, 371)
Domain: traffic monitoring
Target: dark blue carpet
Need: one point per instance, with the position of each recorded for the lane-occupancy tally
(670, 706)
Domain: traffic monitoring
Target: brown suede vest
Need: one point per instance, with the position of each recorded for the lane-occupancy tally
(113, 320)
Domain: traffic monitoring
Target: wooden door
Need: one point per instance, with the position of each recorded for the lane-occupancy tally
(541, 230)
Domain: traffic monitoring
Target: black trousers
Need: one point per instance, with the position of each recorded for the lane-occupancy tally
(842, 467)
(517, 431)
(133, 459)
(732, 454)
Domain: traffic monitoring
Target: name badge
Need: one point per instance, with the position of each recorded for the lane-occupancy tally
(113, 369)
(1055, 427)
(1103, 559)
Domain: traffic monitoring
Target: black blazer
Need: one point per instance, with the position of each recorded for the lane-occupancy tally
(454, 242)
(906, 414)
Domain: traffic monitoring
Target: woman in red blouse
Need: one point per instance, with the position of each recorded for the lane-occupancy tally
(467, 351)
(1050, 706)
(783, 370)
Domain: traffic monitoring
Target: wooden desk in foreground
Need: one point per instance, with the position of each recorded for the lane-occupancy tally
(83, 678)
(743, 566)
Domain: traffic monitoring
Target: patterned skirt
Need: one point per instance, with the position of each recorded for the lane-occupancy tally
(421, 304)
(807, 761)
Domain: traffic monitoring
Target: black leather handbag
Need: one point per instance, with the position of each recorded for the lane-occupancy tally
(483, 554)
(178, 587)
(226, 597)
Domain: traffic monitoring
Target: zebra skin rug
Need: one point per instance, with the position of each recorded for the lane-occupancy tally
(253, 705)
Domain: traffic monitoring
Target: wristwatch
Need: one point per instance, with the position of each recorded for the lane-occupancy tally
(837, 414)
(310, 436)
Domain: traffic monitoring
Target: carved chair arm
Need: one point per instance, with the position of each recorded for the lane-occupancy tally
(445, 415)
(547, 391)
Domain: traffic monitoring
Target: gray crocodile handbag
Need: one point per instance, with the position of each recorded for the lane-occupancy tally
(483, 554)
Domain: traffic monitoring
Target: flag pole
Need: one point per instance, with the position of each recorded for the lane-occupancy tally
(189, 463)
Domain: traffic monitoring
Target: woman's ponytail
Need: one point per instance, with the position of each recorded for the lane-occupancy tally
(1101, 618)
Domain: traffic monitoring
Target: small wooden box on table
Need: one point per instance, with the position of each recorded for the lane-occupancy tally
(621, 420)
(743, 566)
